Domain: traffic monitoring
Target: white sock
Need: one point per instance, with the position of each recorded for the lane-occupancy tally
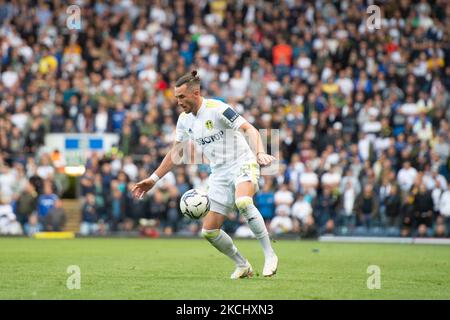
(223, 242)
(256, 223)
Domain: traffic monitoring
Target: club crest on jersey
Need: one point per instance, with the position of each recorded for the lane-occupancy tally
(209, 125)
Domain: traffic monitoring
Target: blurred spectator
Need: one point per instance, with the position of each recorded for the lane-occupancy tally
(101, 196)
(442, 146)
(130, 168)
(407, 214)
(423, 204)
(7, 181)
(46, 201)
(232, 222)
(182, 184)
(243, 231)
(301, 210)
(329, 228)
(8, 222)
(354, 182)
(440, 229)
(157, 206)
(87, 182)
(201, 182)
(347, 216)
(393, 205)
(189, 227)
(56, 217)
(309, 180)
(33, 225)
(406, 176)
(281, 223)
(135, 209)
(423, 231)
(117, 209)
(367, 207)
(444, 207)
(26, 203)
(331, 179)
(45, 168)
(326, 208)
(170, 223)
(265, 202)
(89, 222)
(308, 230)
(283, 196)
(149, 228)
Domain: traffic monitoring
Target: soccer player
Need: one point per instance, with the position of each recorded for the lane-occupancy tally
(219, 133)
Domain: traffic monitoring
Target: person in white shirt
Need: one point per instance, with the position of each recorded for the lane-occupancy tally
(345, 83)
(130, 168)
(281, 223)
(284, 196)
(332, 178)
(406, 176)
(218, 131)
(423, 128)
(101, 119)
(45, 169)
(8, 222)
(238, 85)
(243, 231)
(444, 207)
(432, 180)
(309, 180)
(347, 216)
(301, 209)
(350, 176)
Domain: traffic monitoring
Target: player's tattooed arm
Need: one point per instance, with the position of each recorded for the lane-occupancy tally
(255, 142)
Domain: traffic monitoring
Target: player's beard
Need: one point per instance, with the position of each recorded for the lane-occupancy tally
(190, 106)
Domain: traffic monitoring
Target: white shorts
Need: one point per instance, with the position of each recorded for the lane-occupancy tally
(223, 181)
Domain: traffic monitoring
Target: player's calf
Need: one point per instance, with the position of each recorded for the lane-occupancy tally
(223, 242)
(256, 223)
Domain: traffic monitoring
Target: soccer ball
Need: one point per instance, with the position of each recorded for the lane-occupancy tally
(194, 204)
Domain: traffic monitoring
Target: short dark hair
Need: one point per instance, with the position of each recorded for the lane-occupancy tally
(191, 79)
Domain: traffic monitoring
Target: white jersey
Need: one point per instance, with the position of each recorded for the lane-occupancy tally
(214, 131)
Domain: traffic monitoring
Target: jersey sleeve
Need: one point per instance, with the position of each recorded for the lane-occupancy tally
(230, 117)
(181, 134)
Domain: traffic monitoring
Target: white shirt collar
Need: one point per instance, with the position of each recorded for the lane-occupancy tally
(203, 106)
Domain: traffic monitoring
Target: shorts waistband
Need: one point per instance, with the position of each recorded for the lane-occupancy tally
(241, 159)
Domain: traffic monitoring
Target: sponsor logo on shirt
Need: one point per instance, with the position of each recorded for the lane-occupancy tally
(207, 140)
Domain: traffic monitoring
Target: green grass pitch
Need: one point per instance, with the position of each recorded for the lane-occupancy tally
(191, 269)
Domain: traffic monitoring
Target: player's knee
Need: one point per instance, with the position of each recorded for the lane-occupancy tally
(243, 203)
(210, 234)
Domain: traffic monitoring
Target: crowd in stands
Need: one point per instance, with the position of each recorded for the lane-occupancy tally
(363, 114)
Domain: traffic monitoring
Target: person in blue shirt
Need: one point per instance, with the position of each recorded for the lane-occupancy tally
(265, 201)
(187, 52)
(182, 184)
(46, 201)
(118, 117)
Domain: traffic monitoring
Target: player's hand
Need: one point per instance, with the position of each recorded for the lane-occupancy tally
(264, 159)
(142, 187)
